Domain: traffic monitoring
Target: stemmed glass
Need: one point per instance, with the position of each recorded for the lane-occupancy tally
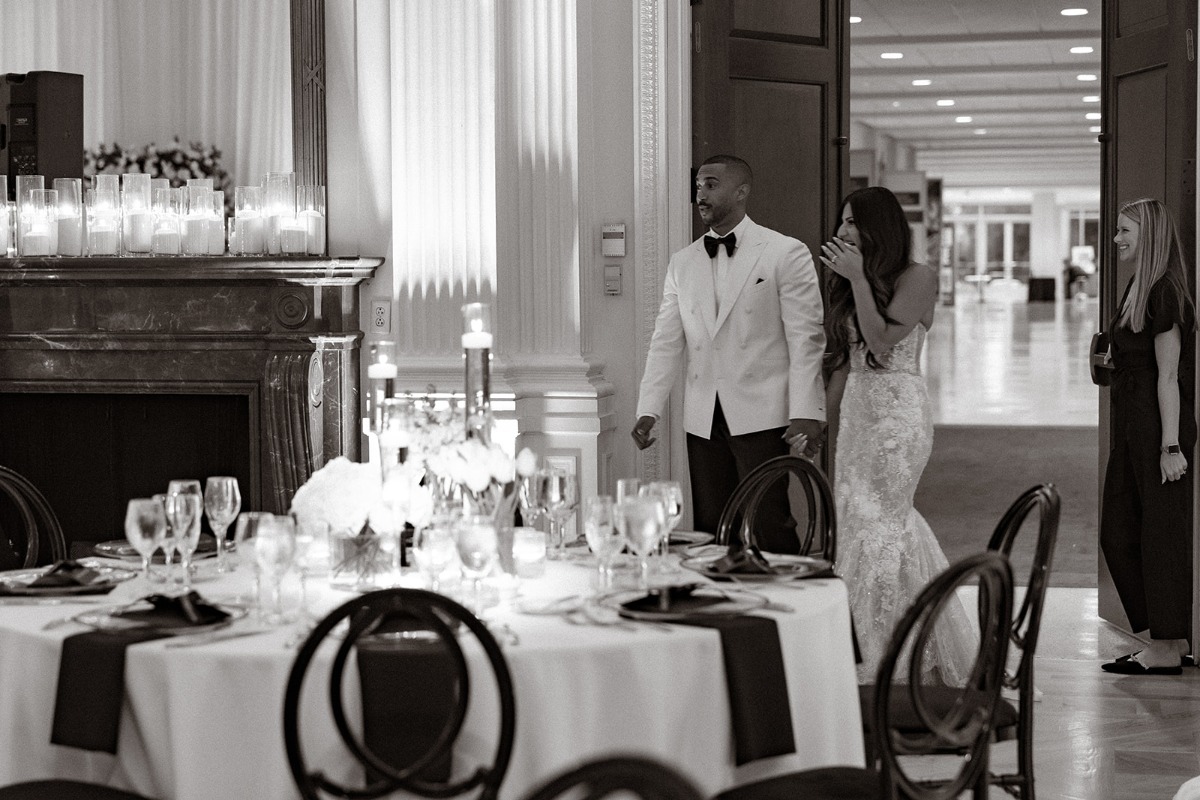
(670, 494)
(476, 540)
(529, 498)
(603, 536)
(170, 539)
(434, 550)
(642, 521)
(274, 545)
(559, 495)
(222, 501)
(244, 534)
(145, 528)
(185, 516)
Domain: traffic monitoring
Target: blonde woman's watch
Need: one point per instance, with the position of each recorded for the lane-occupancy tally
(1171, 449)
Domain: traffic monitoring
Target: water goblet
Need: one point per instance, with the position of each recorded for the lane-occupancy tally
(603, 536)
(475, 538)
(434, 550)
(670, 494)
(642, 521)
(222, 501)
(244, 533)
(145, 527)
(274, 553)
(559, 495)
(529, 499)
(182, 511)
(626, 488)
(187, 541)
(169, 541)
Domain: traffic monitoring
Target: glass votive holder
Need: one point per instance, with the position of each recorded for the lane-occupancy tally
(248, 220)
(293, 235)
(529, 552)
(200, 183)
(137, 220)
(33, 225)
(26, 184)
(156, 184)
(279, 203)
(311, 205)
(7, 211)
(70, 216)
(216, 224)
(477, 326)
(197, 213)
(102, 206)
(166, 204)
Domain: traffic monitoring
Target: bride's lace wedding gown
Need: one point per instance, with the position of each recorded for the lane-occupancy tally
(886, 551)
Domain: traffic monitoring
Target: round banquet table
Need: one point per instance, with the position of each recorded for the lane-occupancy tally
(206, 722)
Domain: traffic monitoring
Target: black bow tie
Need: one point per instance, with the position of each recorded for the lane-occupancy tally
(713, 243)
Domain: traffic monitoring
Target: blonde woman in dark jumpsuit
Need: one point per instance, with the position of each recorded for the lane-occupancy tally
(1145, 529)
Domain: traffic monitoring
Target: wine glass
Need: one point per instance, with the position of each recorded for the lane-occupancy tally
(274, 544)
(434, 550)
(626, 488)
(308, 533)
(529, 498)
(559, 495)
(222, 501)
(170, 539)
(145, 527)
(476, 540)
(670, 494)
(603, 536)
(188, 512)
(244, 533)
(642, 520)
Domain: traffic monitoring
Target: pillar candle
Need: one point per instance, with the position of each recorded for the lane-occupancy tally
(271, 234)
(138, 230)
(216, 236)
(195, 236)
(314, 223)
(103, 241)
(293, 237)
(251, 236)
(36, 241)
(165, 241)
(70, 236)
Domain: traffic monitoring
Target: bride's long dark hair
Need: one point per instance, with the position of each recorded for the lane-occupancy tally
(885, 242)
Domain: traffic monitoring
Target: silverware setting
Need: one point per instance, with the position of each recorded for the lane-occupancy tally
(216, 636)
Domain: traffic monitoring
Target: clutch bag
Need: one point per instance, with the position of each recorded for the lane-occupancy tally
(1100, 359)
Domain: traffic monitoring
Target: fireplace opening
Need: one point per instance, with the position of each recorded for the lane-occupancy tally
(89, 453)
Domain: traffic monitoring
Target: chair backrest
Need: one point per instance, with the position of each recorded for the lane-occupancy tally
(41, 539)
(623, 775)
(1027, 621)
(820, 529)
(963, 726)
(427, 620)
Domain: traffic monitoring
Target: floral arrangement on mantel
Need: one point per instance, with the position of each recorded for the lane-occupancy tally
(177, 162)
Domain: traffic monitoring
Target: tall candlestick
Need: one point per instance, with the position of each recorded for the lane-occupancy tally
(477, 358)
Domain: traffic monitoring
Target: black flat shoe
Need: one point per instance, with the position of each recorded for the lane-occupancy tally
(1184, 661)
(1128, 665)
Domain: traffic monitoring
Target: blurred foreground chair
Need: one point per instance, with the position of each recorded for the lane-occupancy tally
(626, 776)
(964, 727)
(819, 537)
(38, 538)
(412, 637)
(1012, 721)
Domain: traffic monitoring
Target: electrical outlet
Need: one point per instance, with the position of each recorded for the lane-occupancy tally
(381, 316)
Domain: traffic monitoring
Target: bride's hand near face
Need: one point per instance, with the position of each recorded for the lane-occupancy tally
(843, 258)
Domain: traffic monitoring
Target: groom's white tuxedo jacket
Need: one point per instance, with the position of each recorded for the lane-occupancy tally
(761, 354)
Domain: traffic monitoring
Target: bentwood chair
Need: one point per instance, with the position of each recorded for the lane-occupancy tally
(624, 776)
(39, 537)
(963, 728)
(407, 644)
(736, 526)
(1012, 721)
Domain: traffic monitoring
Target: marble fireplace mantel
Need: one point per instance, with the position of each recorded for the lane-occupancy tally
(282, 332)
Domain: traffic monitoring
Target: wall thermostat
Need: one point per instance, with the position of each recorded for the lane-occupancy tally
(612, 240)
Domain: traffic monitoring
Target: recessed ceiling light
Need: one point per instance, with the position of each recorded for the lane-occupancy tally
(895, 104)
(1092, 115)
(855, 20)
(963, 119)
(945, 102)
(922, 82)
(1094, 129)
(1082, 50)
(1073, 12)
(1085, 77)
(891, 55)
(980, 131)
(1091, 98)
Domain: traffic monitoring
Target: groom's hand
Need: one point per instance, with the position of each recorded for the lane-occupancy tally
(641, 432)
(804, 436)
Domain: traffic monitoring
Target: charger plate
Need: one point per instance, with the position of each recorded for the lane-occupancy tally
(123, 550)
(715, 601)
(784, 567)
(109, 620)
(17, 581)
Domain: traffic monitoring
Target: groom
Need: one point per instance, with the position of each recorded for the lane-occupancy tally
(741, 312)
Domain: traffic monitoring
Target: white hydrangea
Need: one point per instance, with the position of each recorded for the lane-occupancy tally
(342, 494)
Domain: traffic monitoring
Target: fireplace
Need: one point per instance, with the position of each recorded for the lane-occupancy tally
(247, 366)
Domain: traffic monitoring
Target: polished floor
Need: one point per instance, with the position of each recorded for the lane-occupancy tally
(1098, 736)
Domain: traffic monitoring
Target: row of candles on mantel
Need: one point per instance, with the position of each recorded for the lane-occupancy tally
(136, 215)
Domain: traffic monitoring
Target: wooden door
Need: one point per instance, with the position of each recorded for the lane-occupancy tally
(770, 83)
(1149, 150)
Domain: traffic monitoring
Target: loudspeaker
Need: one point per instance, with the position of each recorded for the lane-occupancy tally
(41, 127)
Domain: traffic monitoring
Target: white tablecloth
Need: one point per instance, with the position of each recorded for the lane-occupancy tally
(206, 722)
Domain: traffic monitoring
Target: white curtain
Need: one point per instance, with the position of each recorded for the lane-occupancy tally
(216, 72)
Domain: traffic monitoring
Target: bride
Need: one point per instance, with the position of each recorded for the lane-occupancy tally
(880, 308)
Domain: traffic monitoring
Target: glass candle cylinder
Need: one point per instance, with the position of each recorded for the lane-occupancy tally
(158, 183)
(137, 219)
(279, 203)
(477, 352)
(166, 205)
(25, 185)
(5, 218)
(198, 211)
(312, 212)
(293, 235)
(52, 218)
(33, 225)
(103, 209)
(381, 374)
(216, 224)
(70, 216)
(248, 219)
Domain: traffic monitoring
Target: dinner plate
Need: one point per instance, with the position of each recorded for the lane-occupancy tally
(123, 550)
(108, 619)
(701, 601)
(784, 567)
(17, 581)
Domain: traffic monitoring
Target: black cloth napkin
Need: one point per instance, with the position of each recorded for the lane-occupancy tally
(754, 674)
(91, 669)
(409, 690)
(67, 575)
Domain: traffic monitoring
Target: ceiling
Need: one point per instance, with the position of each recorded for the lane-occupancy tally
(1006, 64)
